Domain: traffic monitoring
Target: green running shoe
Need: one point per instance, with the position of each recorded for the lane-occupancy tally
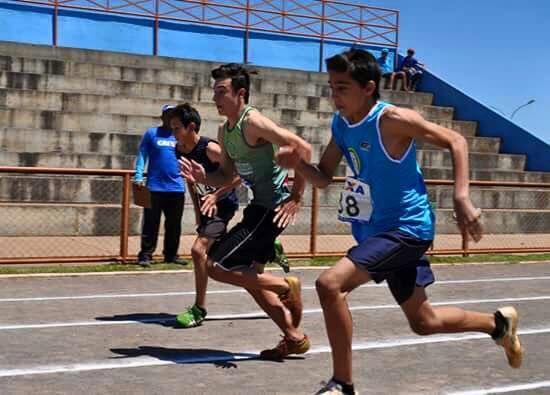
(280, 257)
(194, 316)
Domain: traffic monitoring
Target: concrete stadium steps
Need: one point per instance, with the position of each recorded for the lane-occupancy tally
(428, 158)
(81, 122)
(495, 221)
(287, 106)
(42, 52)
(475, 144)
(65, 219)
(494, 198)
(268, 92)
(75, 69)
(41, 140)
(315, 131)
(440, 158)
(101, 220)
(50, 189)
(60, 189)
(446, 173)
(442, 197)
(77, 160)
(488, 175)
(102, 190)
(68, 84)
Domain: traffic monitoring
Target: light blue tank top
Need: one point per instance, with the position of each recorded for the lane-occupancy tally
(398, 193)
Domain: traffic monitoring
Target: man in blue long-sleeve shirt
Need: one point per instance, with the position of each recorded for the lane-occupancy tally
(167, 191)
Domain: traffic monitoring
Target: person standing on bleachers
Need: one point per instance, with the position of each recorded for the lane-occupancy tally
(413, 68)
(167, 189)
(386, 67)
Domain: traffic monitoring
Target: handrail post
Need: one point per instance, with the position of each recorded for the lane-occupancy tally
(396, 55)
(156, 29)
(465, 245)
(54, 22)
(124, 218)
(313, 225)
(246, 33)
(322, 36)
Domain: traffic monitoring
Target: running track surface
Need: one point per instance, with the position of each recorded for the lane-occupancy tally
(115, 334)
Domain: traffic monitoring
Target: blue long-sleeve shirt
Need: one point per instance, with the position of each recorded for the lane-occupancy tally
(386, 65)
(157, 147)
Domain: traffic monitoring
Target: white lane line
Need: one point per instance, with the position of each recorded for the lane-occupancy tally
(233, 291)
(225, 356)
(255, 314)
(504, 389)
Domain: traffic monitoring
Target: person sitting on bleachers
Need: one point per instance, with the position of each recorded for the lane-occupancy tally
(389, 75)
(413, 69)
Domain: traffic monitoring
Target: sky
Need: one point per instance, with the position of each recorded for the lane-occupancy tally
(497, 51)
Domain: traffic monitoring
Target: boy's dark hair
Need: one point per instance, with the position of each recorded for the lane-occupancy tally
(186, 114)
(240, 77)
(362, 67)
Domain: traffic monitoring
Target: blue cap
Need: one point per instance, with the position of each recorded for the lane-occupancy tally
(167, 107)
(385, 50)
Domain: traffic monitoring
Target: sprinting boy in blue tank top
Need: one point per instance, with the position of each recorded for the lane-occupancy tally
(386, 202)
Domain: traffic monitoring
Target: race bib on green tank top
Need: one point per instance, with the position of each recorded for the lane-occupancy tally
(203, 190)
(355, 204)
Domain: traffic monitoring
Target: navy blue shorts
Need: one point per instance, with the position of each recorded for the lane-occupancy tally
(396, 257)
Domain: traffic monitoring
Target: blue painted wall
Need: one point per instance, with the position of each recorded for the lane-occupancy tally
(105, 32)
(515, 139)
(31, 25)
(200, 42)
(282, 51)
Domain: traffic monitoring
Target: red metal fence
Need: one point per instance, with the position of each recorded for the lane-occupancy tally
(317, 232)
(323, 20)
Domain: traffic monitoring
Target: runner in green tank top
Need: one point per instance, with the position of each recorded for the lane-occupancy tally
(249, 144)
(256, 164)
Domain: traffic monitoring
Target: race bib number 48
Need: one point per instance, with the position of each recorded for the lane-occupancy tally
(355, 203)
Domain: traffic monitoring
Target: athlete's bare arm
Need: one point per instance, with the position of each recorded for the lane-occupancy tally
(319, 175)
(259, 129)
(194, 172)
(208, 205)
(402, 125)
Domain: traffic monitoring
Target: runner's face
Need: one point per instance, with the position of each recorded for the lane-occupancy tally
(181, 133)
(227, 100)
(348, 96)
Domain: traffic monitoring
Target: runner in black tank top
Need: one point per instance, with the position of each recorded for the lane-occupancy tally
(214, 207)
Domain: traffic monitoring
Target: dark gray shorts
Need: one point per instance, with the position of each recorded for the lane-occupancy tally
(215, 227)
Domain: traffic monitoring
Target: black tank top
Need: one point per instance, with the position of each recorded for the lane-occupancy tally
(198, 154)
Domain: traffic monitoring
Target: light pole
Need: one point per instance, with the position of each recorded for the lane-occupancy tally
(513, 112)
(520, 107)
(497, 109)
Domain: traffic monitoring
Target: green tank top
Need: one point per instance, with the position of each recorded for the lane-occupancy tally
(256, 165)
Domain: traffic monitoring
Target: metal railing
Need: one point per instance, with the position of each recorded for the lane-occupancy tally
(322, 20)
(101, 225)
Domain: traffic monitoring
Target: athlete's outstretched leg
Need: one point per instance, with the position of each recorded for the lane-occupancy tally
(425, 319)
